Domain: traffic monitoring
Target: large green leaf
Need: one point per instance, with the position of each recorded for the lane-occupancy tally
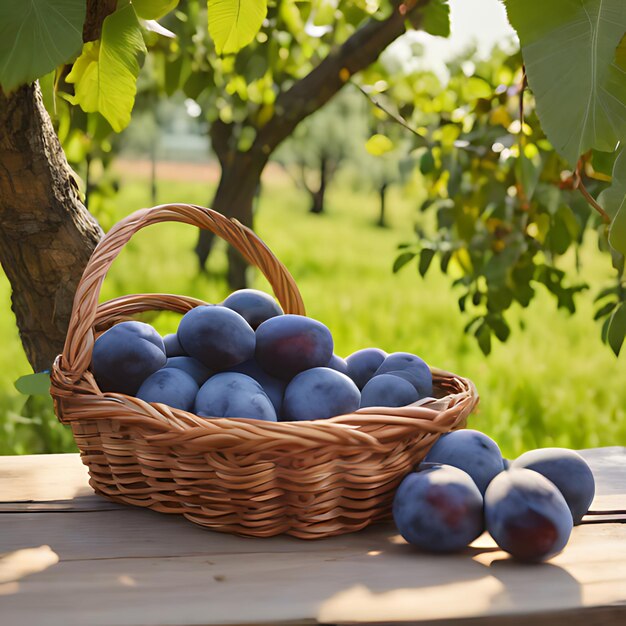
(613, 201)
(233, 24)
(105, 74)
(153, 9)
(36, 36)
(569, 49)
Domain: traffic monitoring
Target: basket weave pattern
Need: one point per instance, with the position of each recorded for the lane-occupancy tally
(308, 479)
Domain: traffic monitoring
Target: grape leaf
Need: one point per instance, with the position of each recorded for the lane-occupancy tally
(36, 36)
(233, 24)
(575, 70)
(105, 74)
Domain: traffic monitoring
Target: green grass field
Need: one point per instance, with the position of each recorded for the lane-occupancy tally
(554, 383)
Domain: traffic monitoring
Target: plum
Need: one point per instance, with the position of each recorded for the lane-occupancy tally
(253, 305)
(320, 393)
(199, 372)
(170, 386)
(273, 387)
(526, 515)
(172, 346)
(289, 344)
(438, 509)
(337, 363)
(414, 366)
(568, 471)
(471, 451)
(125, 355)
(231, 394)
(218, 337)
(506, 463)
(388, 390)
(363, 363)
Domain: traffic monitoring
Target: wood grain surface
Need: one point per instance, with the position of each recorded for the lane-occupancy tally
(69, 557)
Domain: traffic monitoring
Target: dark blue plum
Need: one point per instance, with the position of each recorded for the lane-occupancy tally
(273, 387)
(568, 471)
(439, 509)
(337, 363)
(231, 394)
(526, 515)
(170, 386)
(362, 365)
(216, 336)
(388, 390)
(125, 355)
(254, 306)
(471, 451)
(506, 463)
(289, 344)
(413, 365)
(199, 372)
(320, 393)
(172, 346)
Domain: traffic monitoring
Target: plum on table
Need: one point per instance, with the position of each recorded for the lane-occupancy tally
(438, 509)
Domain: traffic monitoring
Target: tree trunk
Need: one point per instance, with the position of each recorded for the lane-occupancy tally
(382, 194)
(239, 182)
(318, 197)
(46, 234)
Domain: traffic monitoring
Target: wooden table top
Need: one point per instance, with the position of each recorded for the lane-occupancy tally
(72, 558)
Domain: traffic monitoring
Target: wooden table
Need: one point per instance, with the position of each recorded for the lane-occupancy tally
(69, 557)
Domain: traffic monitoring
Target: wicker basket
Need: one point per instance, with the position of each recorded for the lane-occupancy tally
(307, 479)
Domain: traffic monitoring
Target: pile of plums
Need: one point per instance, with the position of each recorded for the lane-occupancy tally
(464, 487)
(245, 358)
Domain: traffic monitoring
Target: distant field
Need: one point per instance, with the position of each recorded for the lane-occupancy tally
(553, 384)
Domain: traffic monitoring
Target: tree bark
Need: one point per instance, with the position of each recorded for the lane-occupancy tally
(238, 186)
(382, 194)
(318, 196)
(46, 234)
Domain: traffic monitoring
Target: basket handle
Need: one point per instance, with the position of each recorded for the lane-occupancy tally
(79, 342)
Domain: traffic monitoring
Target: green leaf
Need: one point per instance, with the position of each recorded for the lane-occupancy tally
(402, 260)
(426, 257)
(105, 74)
(613, 201)
(569, 49)
(483, 335)
(427, 162)
(153, 9)
(36, 36)
(377, 145)
(34, 384)
(617, 329)
(436, 18)
(233, 24)
(46, 84)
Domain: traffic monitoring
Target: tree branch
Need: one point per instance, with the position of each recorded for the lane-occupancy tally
(578, 184)
(310, 93)
(97, 11)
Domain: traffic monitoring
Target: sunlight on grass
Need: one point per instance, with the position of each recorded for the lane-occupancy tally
(553, 384)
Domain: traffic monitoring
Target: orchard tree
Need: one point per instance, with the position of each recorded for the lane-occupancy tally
(322, 143)
(254, 98)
